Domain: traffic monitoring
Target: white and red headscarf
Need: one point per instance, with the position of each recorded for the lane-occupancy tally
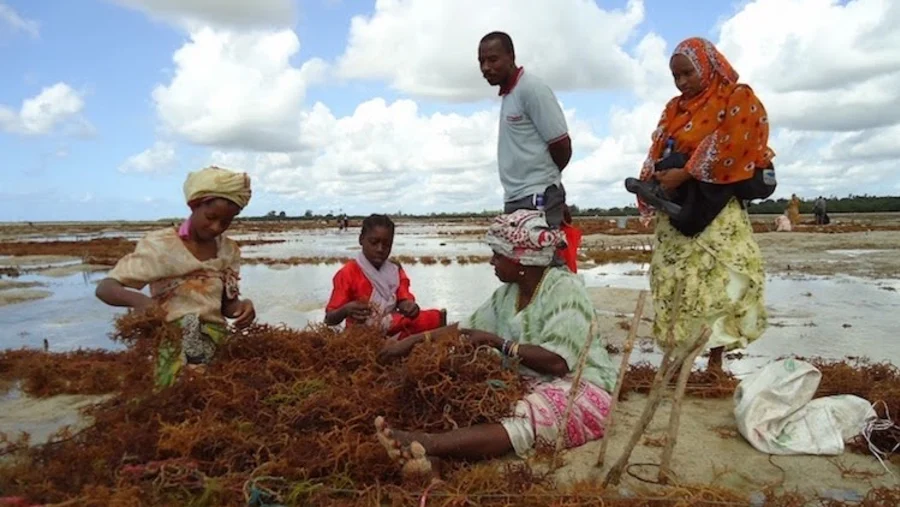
(524, 237)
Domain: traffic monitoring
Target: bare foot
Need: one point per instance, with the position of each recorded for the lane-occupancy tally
(403, 449)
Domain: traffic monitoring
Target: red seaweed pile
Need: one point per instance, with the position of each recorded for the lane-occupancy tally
(285, 417)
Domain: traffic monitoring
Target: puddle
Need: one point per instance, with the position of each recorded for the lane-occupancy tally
(37, 238)
(853, 253)
(70, 318)
(42, 418)
(297, 296)
(414, 241)
(832, 317)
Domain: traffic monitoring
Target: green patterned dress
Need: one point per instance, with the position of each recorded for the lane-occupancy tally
(557, 319)
(722, 270)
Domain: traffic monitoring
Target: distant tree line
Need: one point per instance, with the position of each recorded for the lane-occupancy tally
(849, 204)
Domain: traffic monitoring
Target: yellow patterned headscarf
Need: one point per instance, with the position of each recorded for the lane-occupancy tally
(217, 182)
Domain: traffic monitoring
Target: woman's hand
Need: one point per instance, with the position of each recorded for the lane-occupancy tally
(479, 338)
(358, 310)
(408, 308)
(393, 348)
(672, 179)
(244, 314)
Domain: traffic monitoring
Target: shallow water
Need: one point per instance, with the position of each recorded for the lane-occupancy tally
(422, 241)
(809, 316)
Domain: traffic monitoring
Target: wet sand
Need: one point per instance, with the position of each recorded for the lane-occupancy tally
(41, 418)
(864, 254)
(12, 292)
(711, 451)
(858, 245)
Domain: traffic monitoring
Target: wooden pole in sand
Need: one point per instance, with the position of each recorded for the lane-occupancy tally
(653, 400)
(675, 414)
(663, 376)
(626, 355)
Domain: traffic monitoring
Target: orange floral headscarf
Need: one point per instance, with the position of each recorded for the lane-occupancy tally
(724, 129)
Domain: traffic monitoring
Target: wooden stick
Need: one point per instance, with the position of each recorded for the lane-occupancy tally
(675, 414)
(573, 392)
(661, 380)
(626, 355)
(653, 401)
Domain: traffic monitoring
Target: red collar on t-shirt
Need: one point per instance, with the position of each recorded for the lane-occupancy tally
(505, 90)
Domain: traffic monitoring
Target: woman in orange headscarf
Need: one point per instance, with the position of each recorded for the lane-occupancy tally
(720, 129)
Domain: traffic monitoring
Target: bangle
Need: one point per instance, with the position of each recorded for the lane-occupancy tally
(427, 336)
(505, 347)
(514, 350)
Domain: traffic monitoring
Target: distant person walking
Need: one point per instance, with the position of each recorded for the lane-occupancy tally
(820, 211)
(793, 209)
(533, 146)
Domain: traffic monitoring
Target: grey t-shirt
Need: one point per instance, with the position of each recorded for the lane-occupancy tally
(530, 120)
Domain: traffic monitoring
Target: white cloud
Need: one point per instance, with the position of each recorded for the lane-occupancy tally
(221, 13)
(55, 105)
(387, 156)
(834, 119)
(159, 158)
(429, 49)
(379, 154)
(13, 22)
(829, 75)
(820, 64)
(237, 89)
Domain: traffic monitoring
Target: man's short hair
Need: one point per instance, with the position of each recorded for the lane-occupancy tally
(504, 38)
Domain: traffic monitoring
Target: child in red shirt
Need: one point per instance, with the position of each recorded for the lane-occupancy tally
(573, 240)
(374, 290)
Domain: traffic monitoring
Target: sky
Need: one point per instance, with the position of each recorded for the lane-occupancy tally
(362, 106)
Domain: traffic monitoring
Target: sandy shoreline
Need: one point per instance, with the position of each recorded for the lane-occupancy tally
(863, 254)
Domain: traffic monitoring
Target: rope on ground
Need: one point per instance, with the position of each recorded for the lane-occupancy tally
(877, 424)
(638, 477)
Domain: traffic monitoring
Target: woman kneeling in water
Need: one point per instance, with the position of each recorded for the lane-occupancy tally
(541, 315)
(374, 290)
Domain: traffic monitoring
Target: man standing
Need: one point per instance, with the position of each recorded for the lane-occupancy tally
(534, 145)
(819, 209)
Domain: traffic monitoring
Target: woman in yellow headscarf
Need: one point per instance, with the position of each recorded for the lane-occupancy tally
(192, 272)
(721, 130)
